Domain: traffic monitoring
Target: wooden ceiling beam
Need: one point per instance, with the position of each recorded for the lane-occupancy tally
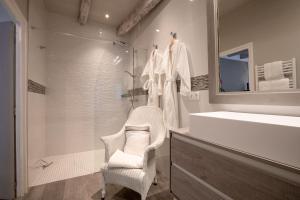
(84, 11)
(144, 8)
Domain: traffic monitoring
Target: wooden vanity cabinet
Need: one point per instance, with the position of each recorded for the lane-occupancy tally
(201, 170)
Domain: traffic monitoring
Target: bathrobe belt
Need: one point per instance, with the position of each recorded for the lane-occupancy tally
(169, 80)
(148, 85)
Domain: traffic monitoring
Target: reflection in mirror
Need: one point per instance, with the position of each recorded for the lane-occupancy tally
(236, 69)
(259, 45)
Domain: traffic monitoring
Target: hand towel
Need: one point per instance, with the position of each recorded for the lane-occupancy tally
(124, 160)
(274, 85)
(273, 71)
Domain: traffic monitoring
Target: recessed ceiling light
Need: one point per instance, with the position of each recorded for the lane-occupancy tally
(157, 30)
(106, 16)
(100, 32)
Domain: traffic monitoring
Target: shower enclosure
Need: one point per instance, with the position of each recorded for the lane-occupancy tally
(138, 61)
(77, 80)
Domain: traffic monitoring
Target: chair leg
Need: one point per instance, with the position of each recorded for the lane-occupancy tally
(155, 180)
(103, 192)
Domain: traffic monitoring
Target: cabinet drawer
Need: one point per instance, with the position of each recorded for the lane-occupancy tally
(230, 176)
(186, 187)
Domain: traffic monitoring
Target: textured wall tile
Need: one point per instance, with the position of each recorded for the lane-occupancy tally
(197, 83)
(36, 87)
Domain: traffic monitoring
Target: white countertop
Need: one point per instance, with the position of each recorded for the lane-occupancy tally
(257, 118)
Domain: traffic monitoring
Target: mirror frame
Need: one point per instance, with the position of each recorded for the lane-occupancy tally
(286, 98)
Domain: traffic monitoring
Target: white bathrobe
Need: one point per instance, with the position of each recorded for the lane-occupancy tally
(150, 77)
(175, 62)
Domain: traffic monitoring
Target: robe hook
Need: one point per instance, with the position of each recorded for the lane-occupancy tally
(174, 35)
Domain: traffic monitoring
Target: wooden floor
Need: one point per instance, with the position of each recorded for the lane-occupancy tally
(88, 188)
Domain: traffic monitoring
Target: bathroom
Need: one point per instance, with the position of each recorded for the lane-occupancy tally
(83, 81)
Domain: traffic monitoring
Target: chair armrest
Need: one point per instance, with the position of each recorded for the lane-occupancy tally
(149, 155)
(112, 143)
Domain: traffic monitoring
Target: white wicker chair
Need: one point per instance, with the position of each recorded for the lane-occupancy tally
(138, 180)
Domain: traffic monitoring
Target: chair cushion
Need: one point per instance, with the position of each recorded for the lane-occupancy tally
(136, 142)
(124, 160)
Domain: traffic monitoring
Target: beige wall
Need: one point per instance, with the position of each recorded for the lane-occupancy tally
(272, 26)
(23, 5)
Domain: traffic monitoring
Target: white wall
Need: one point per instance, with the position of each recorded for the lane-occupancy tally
(84, 85)
(188, 20)
(183, 17)
(36, 102)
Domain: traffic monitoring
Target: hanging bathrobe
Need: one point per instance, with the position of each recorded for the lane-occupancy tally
(150, 77)
(175, 63)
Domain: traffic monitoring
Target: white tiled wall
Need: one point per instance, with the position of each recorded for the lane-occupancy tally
(84, 80)
(84, 85)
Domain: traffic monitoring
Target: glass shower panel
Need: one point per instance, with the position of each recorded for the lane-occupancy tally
(84, 81)
(140, 61)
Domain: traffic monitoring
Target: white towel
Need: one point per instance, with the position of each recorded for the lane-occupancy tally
(124, 160)
(273, 85)
(273, 71)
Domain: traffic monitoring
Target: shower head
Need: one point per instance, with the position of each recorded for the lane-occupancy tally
(120, 43)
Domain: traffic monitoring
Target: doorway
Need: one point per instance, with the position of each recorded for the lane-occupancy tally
(13, 101)
(7, 105)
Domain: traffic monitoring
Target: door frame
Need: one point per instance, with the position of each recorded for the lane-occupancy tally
(21, 95)
(249, 47)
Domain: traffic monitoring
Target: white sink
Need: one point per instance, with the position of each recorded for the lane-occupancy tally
(272, 137)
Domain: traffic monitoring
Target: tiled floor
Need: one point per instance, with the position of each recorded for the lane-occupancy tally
(89, 188)
(69, 166)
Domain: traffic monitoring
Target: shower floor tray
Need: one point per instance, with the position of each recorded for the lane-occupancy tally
(69, 166)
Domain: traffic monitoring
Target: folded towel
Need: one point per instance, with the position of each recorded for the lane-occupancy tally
(273, 71)
(124, 160)
(282, 84)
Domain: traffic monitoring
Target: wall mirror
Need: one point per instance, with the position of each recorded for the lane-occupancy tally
(254, 51)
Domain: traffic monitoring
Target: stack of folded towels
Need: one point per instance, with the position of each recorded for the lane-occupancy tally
(132, 156)
(274, 77)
